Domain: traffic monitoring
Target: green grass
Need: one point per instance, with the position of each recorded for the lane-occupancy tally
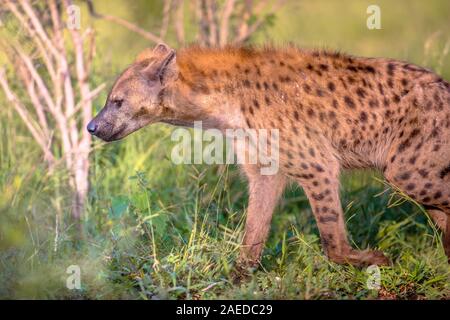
(154, 230)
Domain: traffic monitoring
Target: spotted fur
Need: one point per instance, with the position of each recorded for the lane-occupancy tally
(334, 112)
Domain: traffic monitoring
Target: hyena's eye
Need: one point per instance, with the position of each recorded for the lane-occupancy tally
(118, 102)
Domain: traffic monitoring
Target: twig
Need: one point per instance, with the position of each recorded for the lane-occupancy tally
(225, 21)
(166, 18)
(37, 133)
(247, 33)
(179, 21)
(124, 23)
(92, 95)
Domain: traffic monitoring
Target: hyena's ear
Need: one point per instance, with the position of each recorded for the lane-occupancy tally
(163, 66)
(149, 53)
(161, 49)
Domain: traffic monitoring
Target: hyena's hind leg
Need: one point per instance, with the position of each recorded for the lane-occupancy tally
(319, 178)
(425, 183)
(446, 230)
(419, 158)
(439, 217)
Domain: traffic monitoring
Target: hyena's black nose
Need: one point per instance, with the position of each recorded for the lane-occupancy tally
(92, 127)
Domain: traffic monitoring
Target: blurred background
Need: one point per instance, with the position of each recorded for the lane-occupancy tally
(140, 227)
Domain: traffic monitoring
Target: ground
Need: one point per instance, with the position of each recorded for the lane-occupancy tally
(154, 230)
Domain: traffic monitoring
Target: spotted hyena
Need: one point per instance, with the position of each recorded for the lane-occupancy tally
(333, 112)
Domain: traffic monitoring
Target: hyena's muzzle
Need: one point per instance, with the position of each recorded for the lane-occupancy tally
(109, 125)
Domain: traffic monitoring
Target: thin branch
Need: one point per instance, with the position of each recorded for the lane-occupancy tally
(26, 6)
(36, 77)
(225, 21)
(92, 95)
(29, 84)
(165, 19)
(210, 8)
(64, 71)
(83, 85)
(39, 44)
(124, 23)
(244, 36)
(59, 117)
(26, 118)
(90, 34)
(179, 21)
(202, 35)
(132, 27)
(38, 107)
(244, 17)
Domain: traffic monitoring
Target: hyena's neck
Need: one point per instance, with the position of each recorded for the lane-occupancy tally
(210, 87)
(184, 107)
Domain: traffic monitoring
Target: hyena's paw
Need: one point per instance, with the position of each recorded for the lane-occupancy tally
(243, 270)
(362, 258)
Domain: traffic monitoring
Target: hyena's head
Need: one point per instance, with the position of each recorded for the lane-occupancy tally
(135, 98)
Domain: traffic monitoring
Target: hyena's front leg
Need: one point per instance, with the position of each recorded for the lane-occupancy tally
(321, 185)
(264, 192)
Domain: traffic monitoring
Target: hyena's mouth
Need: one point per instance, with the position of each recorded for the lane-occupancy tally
(105, 132)
(118, 134)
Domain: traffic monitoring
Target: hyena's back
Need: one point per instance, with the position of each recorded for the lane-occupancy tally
(358, 105)
(366, 112)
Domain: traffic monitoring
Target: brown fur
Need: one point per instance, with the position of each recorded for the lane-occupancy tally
(333, 111)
